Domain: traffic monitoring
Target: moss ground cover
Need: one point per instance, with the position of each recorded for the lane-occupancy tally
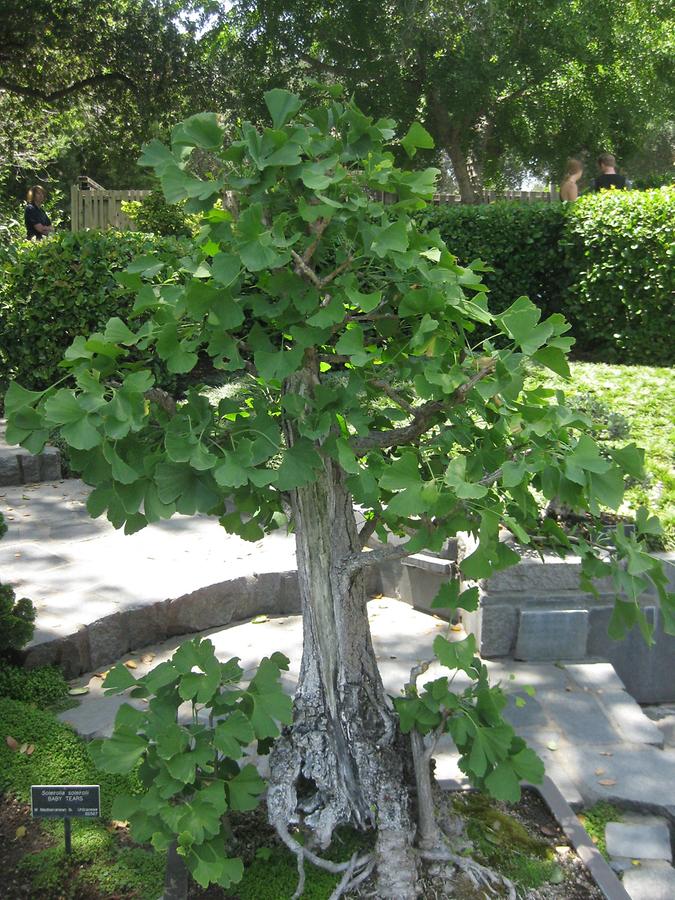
(61, 757)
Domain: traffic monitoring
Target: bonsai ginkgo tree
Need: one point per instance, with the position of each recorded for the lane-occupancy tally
(368, 371)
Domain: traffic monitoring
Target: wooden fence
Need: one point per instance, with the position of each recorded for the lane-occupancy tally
(92, 207)
(491, 196)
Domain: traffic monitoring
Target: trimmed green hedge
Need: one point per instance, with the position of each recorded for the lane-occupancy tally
(605, 262)
(57, 289)
(620, 249)
(519, 241)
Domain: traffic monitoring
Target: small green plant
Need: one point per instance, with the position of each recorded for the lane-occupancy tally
(608, 424)
(491, 755)
(595, 821)
(17, 621)
(190, 770)
(154, 215)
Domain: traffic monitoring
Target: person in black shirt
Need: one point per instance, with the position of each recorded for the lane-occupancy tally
(38, 223)
(608, 179)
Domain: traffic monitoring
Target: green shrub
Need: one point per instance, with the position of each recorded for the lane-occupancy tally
(17, 621)
(605, 262)
(650, 182)
(154, 215)
(17, 617)
(520, 242)
(58, 289)
(619, 247)
(43, 687)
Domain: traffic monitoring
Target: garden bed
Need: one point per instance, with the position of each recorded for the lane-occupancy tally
(523, 841)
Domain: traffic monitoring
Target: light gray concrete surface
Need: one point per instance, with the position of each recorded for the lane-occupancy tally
(655, 881)
(566, 722)
(99, 592)
(639, 841)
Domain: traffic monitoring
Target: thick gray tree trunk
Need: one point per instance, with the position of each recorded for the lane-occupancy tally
(448, 136)
(343, 761)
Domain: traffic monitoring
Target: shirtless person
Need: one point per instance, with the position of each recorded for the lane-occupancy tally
(568, 187)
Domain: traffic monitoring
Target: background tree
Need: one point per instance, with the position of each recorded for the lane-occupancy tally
(496, 82)
(83, 84)
(351, 338)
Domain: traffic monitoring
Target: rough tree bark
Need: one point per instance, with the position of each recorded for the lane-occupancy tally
(343, 761)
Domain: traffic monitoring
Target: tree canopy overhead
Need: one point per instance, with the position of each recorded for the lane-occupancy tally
(359, 377)
(496, 82)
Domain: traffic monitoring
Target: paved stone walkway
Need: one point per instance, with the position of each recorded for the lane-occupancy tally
(595, 740)
(99, 592)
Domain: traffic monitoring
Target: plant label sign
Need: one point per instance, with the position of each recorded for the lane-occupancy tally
(63, 801)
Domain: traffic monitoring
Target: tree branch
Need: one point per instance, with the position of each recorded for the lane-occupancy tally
(406, 434)
(301, 267)
(334, 274)
(368, 529)
(162, 399)
(318, 230)
(390, 392)
(49, 97)
(388, 553)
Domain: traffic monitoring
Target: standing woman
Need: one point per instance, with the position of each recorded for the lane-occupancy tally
(568, 187)
(38, 223)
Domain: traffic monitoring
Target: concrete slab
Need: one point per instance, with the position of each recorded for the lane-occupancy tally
(635, 776)
(552, 634)
(655, 881)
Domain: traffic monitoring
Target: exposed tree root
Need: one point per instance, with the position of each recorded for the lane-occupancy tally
(353, 872)
(480, 876)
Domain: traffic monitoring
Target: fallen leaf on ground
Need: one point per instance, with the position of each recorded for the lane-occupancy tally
(607, 782)
(147, 657)
(23, 748)
(30, 749)
(548, 830)
(599, 771)
(77, 691)
(131, 664)
(119, 823)
(258, 620)
(455, 628)
(635, 862)
(12, 743)
(20, 832)
(552, 745)
(606, 753)
(376, 596)
(101, 674)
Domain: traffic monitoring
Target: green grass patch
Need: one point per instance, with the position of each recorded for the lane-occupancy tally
(595, 821)
(644, 396)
